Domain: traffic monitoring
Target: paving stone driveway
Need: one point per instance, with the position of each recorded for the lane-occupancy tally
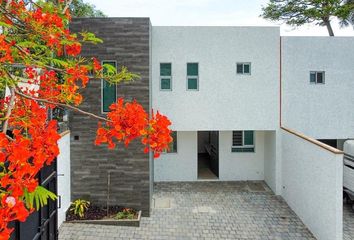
(205, 210)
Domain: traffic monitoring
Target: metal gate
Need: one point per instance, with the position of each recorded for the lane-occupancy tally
(42, 224)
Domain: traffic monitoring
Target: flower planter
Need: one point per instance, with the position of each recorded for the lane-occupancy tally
(112, 221)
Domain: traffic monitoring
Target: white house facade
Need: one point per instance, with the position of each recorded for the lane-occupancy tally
(235, 95)
(245, 104)
(237, 89)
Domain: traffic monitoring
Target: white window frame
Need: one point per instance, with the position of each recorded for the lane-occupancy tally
(192, 76)
(165, 77)
(243, 142)
(323, 77)
(243, 68)
(116, 65)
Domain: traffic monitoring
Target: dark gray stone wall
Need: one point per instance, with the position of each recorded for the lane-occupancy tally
(126, 40)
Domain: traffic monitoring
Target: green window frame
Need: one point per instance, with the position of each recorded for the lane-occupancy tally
(317, 77)
(243, 68)
(109, 91)
(165, 76)
(193, 76)
(243, 141)
(173, 145)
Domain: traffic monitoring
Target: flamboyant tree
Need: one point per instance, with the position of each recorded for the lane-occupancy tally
(300, 12)
(41, 69)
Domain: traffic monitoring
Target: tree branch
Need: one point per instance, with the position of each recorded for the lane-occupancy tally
(62, 105)
(8, 4)
(67, 6)
(9, 110)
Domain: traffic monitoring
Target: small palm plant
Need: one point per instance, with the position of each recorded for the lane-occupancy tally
(79, 207)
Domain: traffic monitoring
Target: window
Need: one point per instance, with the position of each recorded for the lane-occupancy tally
(165, 76)
(242, 141)
(192, 76)
(243, 68)
(173, 144)
(317, 77)
(109, 91)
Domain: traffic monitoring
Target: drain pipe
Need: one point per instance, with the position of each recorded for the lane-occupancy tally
(108, 188)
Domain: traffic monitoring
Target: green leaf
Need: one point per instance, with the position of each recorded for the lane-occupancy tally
(90, 37)
(59, 62)
(3, 24)
(38, 198)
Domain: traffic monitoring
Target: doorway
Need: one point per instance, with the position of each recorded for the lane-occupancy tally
(208, 155)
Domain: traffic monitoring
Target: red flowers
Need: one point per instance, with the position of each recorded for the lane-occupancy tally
(129, 121)
(5, 50)
(73, 50)
(96, 65)
(32, 47)
(34, 144)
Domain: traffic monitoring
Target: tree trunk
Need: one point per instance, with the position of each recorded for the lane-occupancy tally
(329, 28)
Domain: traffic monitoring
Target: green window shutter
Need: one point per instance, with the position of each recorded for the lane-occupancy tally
(248, 138)
(109, 95)
(165, 69)
(240, 68)
(192, 84)
(166, 83)
(246, 68)
(192, 69)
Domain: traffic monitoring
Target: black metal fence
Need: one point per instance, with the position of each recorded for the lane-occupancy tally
(41, 224)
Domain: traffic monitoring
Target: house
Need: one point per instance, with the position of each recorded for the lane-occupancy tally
(244, 99)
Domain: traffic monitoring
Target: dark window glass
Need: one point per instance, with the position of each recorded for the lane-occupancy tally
(109, 91)
(246, 68)
(320, 77)
(239, 68)
(192, 83)
(109, 95)
(165, 83)
(173, 144)
(165, 69)
(312, 77)
(248, 135)
(192, 69)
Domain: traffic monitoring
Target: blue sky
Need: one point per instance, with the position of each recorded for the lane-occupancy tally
(206, 13)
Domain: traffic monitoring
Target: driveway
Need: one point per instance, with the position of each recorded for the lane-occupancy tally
(205, 210)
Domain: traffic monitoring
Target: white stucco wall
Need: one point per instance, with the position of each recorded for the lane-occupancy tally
(260, 165)
(312, 179)
(180, 166)
(322, 111)
(234, 166)
(270, 159)
(225, 100)
(63, 165)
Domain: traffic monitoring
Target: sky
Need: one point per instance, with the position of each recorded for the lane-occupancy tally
(207, 13)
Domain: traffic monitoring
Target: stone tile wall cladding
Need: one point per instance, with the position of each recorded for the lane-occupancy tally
(127, 41)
